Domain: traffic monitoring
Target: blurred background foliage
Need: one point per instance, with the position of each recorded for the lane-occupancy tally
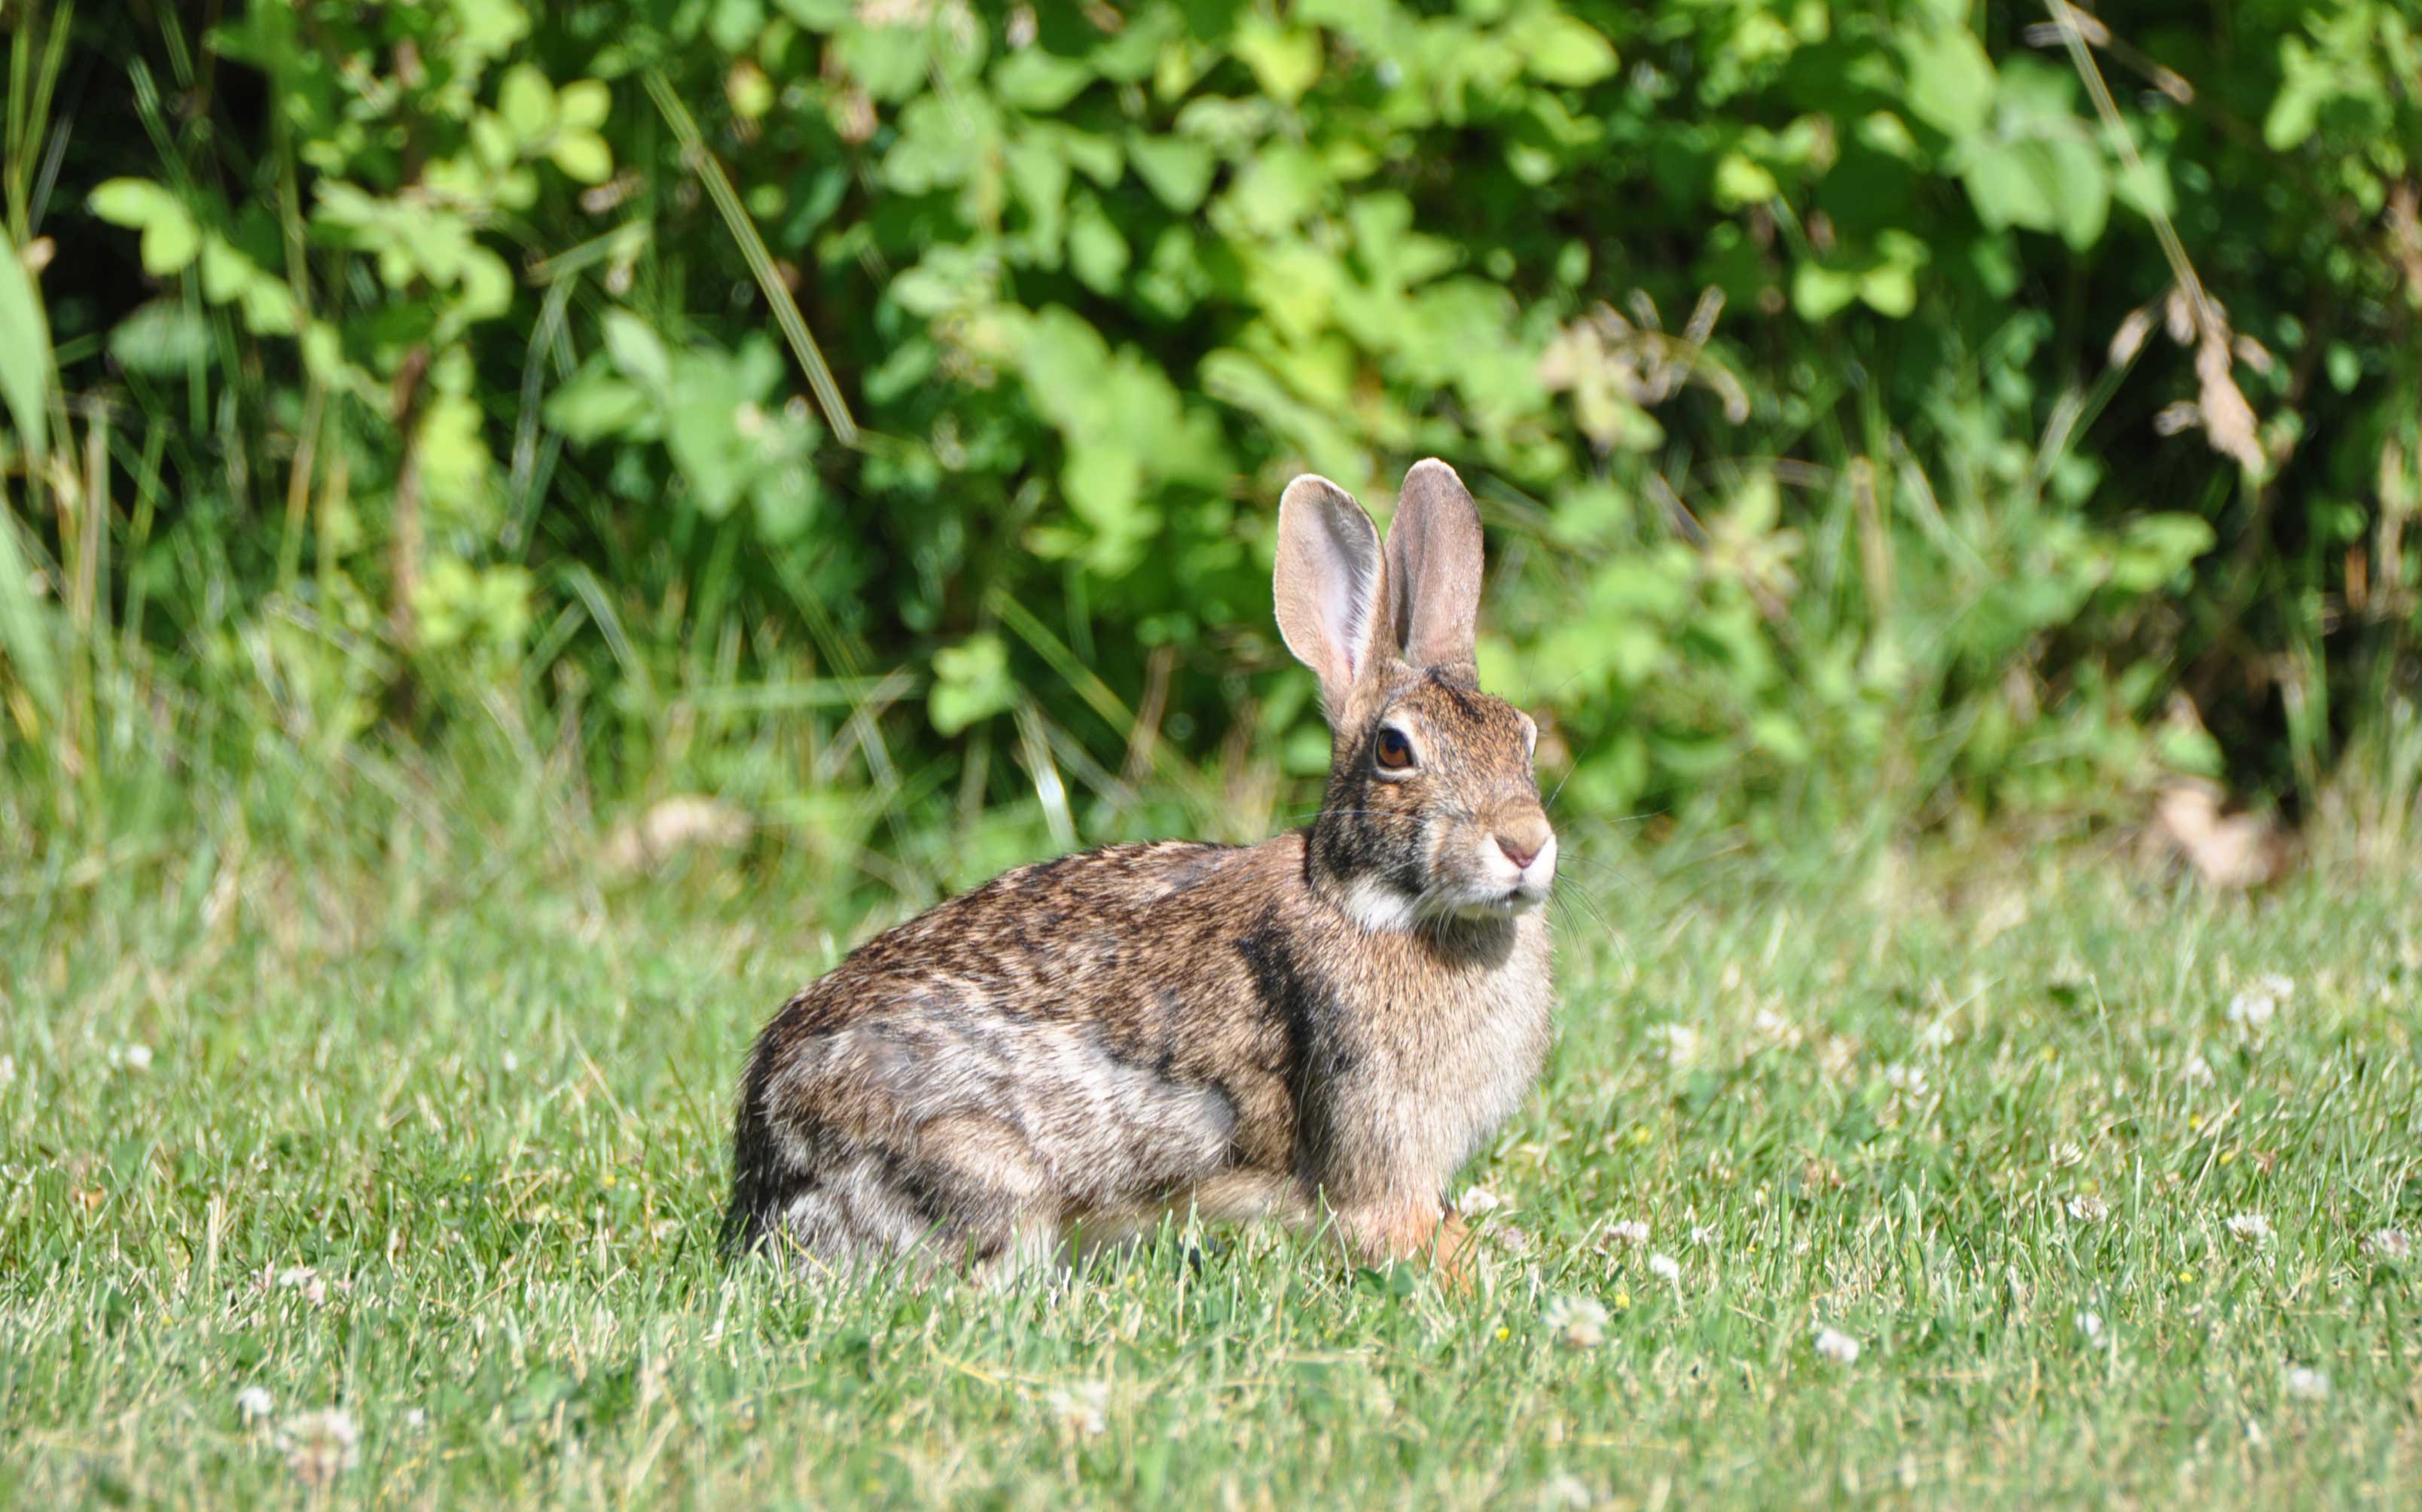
(1886, 416)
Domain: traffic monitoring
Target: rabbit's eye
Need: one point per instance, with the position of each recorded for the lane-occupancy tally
(1394, 752)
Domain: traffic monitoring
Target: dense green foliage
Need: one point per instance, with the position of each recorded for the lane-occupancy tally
(425, 1139)
(1893, 409)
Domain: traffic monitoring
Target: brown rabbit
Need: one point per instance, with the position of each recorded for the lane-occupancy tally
(1327, 1023)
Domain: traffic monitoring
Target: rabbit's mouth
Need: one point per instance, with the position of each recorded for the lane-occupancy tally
(1507, 879)
(1484, 901)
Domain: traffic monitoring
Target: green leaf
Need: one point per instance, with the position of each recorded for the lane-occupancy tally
(1819, 292)
(971, 682)
(2155, 548)
(225, 271)
(526, 103)
(1561, 49)
(486, 284)
(2296, 109)
(24, 354)
(1097, 251)
(269, 307)
(893, 63)
(1035, 80)
(699, 434)
(583, 156)
(595, 404)
(1890, 290)
(1741, 182)
(582, 105)
(128, 202)
(170, 236)
(1177, 170)
(1096, 157)
(638, 352)
(1285, 60)
(785, 499)
(1951, 80)
(2041, 183)
(170, 243)
(1039, 176)
(162, 338)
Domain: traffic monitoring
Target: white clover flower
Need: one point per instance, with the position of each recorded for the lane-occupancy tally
(321, 1445)
(1665, 1269)
(1837, 1346)
(254, 1403)
(511, 1062)
(1478, 1200)
(2253, 1009)
(1567, 1490)
(2249, 1228)
(1678, 1043)
(1908, 1081)
(2087, 1209)
(1631, 1233)
(1082, 1409)
(2196, 1072)
(130, 1057)
(1937, 1036)
(2305, 1382)
(417, 1419)
(2390, 1244)
(1577, 1321)
(2064, 1154)
(1703, 1235)
(307, 1280)
(2090, 1324)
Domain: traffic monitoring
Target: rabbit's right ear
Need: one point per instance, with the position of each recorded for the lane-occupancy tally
(1330, 586)
(1433, 567)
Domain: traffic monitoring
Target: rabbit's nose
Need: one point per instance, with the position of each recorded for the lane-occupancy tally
(1520, 853)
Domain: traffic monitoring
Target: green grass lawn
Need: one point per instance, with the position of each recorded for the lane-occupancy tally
(442, 1149)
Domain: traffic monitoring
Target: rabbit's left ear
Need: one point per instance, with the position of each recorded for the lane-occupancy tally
(1434, 568)
(1330, 586)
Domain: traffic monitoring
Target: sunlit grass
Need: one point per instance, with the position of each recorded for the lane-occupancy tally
(1827, 1193)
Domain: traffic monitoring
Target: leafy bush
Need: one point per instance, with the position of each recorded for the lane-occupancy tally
(1874, 408)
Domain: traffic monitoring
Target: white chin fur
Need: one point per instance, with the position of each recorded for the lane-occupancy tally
(1375, 906)
(1496, 905)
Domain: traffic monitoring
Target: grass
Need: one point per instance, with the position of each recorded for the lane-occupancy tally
(484, 1102)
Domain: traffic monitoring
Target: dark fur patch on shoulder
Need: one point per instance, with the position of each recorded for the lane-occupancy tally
(1294, 995)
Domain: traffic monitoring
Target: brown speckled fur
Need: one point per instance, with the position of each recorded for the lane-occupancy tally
(1330, 1022)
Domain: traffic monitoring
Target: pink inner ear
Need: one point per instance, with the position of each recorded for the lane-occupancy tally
(1344, 605)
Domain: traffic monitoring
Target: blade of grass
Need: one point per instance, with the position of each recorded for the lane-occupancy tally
(25, 623)
(25, 376)
(1102, 701)
(761, 261)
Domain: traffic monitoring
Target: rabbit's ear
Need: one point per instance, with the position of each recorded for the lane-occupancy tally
(1330, 586)
(1433, 567)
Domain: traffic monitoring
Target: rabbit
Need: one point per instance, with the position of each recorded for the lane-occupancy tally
(1318, 1029)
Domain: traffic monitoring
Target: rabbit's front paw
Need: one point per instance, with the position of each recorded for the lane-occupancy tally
(1407, 1230)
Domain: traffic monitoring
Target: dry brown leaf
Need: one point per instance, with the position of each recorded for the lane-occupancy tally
(2235, 851)
(675, 823)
